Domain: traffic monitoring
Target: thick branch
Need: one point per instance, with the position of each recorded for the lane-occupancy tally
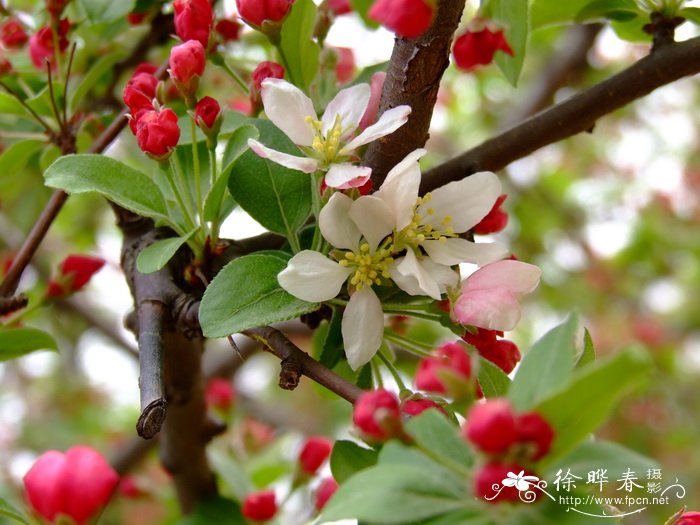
(574, 115)
(413, 78)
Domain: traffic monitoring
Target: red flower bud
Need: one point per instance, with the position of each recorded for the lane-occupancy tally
(205, 113)
(12, 34)
(140, 91)
(228, 30)
(688, 518)
(345, 66)
(406, 18)
(255, 12)
(157, 132)
(145, 67)
(504, 354)
(219, 393)
(5, 65)
(490, 426)
(262, 71)
(135, 19)
(339, 7)
(494, 474)
(413, 407)
(495, 220)
(56, 7)
(377, 415)
(314, 453)
(76, 484)
(324, 492)
(260, 506)
(476, 48)
(533, 429)
(74, 273)
(193, 20)
(449, 361)
(187, 63)
(128, 488)
(41, 44)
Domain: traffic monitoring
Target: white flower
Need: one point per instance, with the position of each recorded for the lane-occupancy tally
(312, 276)
(432, 223)
(328, 142)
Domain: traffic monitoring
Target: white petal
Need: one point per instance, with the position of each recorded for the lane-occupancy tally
(304, 164)
(400, 188)
(515, 276)
(362, 327)
(287, 107)
(350, 105)
(455, 251)
(390, 121)
(374, 219)
(345, 176)
(409, 275)
(466, 201)
(335, 224)
(313, 277)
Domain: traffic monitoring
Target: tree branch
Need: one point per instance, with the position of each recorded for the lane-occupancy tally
(574, 115)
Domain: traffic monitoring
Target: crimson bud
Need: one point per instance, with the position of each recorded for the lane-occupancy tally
(12, 34)
(324, 492)
(56, 7)
(533, 429)
(339, 7)
(476, 48)
(491, 427)
(376, 415)
(5, 65)
(450, 364)
(263, 70)
(264, 15)
(140, 91)
(345, 65)
(157, 132)
(688, 518)
(314, 453)
(495, 220)
(228, 30)
(260, 506)
(413, 407)
(219, 393)
(187, 62)
(206, 112)
(406, 18)
(193, 20)
(76, 484)
(74, 273)
(41, 44)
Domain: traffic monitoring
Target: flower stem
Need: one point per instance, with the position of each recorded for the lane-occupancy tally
(197, 171)
(392, 369)
(411, 313)
(214, 174)
(236, 78)
(411, 345)
(316, 179)
(186, 212)
(377, 373)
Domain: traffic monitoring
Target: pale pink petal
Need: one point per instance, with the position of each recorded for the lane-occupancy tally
(335, 224)
(293, 162)
(518, 277)
(493, 309)
(455, 250)
(400, 188)
(362, 327)
(345, 176)
(373, 218)
(313, 277)
(390, 121)
(349, 104)
(376, 85)
(463, 203)
(287, 107)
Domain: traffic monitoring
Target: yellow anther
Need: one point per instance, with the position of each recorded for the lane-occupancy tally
(364, 247)
(343, 262)
(430, 211)
(442, 239)
(446, 220)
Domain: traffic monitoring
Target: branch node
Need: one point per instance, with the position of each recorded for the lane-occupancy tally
(9, 305)
(151, 419)
(290, 373)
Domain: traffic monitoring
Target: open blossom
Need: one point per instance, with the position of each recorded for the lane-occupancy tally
(328, 143)
(490, 296)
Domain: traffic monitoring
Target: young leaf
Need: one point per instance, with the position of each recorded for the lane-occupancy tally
(96, 71)
(246, 294)
(154, 257)
(691, 13)
(432, 431)
(116, 181)
(493, 381)
(348, 458)
(16, 342)
(546, 367)
(16, 156)
(275, 196)
(300, 51)
(513, 14)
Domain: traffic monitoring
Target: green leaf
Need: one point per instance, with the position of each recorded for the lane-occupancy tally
(348, 458)
(547, 367)
(333, 349)
(593, 392)
(275, 196)
(513, 14)
(361, 7)
(95, 73)
(154, 257)
(16, 157)
(16, 342)
(106, 10)
(394, 494)
(461, 517)
(214, 510)
(9, 511)
(230, 473)
(116, 181)
(237, 144)
(246, 294)
(691, 13)
(300, 51)
(41, 102)
(432, 431)
(11, 106)
(493, 381)
(620, 10)
(588, 353)
(551, 12)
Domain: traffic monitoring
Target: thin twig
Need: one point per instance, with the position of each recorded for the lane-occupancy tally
(65, 86)
(52, 96)
(49, 131)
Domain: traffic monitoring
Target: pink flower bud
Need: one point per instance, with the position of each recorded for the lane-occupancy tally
(533, 429)
(187, 62)
(12, 34)
(56, 7)
(260, 506)
(493, 474)
(206, 112)
(345, 66)
(340, 7)
(413, 407)
(146, 67)
(74, 273)
(157, 132)
(376, 415)
(128, 488)
(263, 70)
(193, 20)
(449, 363)
(324, 492)
(5, 65)
(140, 91)
(76, 484)
(491, 427)
(41, 45)
(228, 30)
(477, 48)
(406, 18)
(376, 84)
(688, 518)
(314, 453)
(495, 220)
(255, 12)
(219, 393)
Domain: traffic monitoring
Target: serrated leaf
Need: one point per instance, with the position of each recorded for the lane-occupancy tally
(348, 458)
(9, 511)
(546, 368)
(246, 294)
(493, 381)
(114, 180)
(432, 431)
(300, 51)
(156, 256)
(275, 196)
(16, 342)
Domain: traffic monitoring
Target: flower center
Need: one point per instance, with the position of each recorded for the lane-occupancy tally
(326, 147)
(370, 268)
(421, 230)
